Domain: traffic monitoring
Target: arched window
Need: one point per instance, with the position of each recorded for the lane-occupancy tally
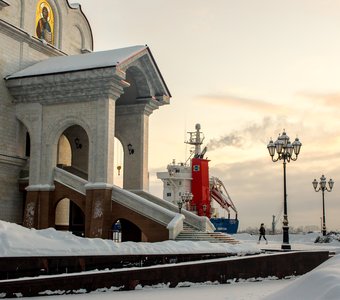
(44, 20)
(119, 169)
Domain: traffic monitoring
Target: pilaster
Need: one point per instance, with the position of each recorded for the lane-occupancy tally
(39, 211)
(132, 129)
(31, 115)
(102, 157)
(98, 210)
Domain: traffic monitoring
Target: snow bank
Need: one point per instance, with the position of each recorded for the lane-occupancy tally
(300, 241)
(16, 240)
(321, 283)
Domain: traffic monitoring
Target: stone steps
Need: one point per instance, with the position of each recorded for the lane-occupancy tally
(191, 234)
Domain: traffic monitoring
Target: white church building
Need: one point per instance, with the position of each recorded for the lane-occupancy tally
(61, 107)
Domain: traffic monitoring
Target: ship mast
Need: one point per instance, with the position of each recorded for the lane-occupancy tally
(196, 139)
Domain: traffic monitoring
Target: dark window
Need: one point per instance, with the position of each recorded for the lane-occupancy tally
(28, 145)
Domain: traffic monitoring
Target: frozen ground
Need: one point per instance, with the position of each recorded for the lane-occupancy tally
(16, 240)
(321, 283)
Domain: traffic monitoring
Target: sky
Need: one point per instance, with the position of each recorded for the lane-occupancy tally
(245, 70)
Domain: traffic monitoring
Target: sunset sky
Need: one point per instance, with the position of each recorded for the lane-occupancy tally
(245, 70)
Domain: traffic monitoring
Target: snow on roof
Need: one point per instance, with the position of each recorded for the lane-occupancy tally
(94, 60)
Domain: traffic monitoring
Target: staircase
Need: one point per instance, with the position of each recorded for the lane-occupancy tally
(195, 228)
(196, 222)
(189, 233)
(73, 171)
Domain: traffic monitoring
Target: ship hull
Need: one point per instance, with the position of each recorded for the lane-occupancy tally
(229, 226)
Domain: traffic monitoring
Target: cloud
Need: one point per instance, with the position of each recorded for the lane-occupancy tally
(328, 100)
(243, 102)
(256, 188)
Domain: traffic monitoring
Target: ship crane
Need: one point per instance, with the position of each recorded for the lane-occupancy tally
(220, 194)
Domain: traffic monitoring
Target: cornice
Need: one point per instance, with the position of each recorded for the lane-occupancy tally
(40, 188)
(12, 160)
(145, 62)
(81, 86)
(145, 106)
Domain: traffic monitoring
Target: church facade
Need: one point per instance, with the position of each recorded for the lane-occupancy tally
(61, 107)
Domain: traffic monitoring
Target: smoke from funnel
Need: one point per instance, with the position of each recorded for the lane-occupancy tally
(250, 134)
(228, 140)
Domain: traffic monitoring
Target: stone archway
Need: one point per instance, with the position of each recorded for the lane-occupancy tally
(62, 211)
(69, 217)
(73, 151)
(129, 232)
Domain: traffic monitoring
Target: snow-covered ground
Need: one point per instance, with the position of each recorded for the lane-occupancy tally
(321, 283)
(16, 240)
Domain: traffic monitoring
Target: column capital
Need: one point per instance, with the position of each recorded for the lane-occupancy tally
(144, 106)
(98, 186)
(40, 188)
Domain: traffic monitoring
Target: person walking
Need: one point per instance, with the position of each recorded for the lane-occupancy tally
(262, 231)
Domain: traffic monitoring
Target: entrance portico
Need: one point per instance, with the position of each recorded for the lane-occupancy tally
(89, 99)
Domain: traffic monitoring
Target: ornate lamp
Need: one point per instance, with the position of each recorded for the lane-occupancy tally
(323, 187)
(285, 151)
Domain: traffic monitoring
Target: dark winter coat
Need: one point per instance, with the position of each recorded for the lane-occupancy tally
(262, 230)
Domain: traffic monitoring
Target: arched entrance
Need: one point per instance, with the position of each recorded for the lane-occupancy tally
(129, 232)
(69, 217)
(24, 151)
(73, 151)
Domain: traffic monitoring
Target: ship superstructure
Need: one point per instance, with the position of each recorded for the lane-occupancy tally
(189, 186)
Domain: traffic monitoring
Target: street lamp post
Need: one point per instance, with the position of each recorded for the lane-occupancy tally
(186, 197)
(323, 188)
(180, 204)
(284, 149)
(204, 207)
